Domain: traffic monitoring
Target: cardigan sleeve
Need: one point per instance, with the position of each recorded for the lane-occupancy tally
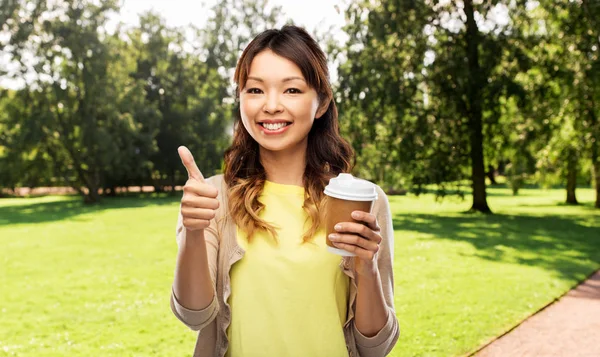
(382, 343)
(199, 319)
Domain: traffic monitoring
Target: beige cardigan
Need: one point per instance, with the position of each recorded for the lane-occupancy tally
(223, 251)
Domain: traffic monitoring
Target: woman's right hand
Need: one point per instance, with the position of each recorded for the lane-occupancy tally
(199, 203)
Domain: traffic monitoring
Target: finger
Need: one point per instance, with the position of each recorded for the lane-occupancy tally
(367, 218)
(197, 188)
(355, 240)
(190, 165)
(193, 201)
(195, 224)
(358, 251)
(358, 228)
(198, 213)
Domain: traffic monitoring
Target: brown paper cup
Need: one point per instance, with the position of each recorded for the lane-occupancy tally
(337, 211)
(345, 194)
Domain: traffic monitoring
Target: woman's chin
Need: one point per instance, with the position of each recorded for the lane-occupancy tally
(280, 147)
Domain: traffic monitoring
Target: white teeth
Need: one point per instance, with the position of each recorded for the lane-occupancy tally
(277, 126)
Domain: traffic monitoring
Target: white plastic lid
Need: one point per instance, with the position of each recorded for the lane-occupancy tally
(347, 187)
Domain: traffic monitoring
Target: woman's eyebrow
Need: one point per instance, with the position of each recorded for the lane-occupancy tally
(293, 78)
(287, 79)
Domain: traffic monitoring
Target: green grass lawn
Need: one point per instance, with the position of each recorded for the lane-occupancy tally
(95, 281)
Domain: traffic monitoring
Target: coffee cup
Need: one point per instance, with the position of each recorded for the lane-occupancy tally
(346, 194)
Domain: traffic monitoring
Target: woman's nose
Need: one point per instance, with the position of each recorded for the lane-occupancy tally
(272, 104)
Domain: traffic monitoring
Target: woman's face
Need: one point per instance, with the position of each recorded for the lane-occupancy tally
(277, 105)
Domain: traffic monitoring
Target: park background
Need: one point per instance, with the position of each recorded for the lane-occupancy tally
(479, 118)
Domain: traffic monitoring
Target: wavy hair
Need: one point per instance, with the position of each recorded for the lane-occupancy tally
(327, 155)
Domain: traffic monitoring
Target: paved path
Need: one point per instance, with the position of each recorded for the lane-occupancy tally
(568, 328)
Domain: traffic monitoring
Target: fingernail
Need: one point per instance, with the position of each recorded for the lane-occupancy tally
(338, 227)
(355, 215)
(333, 236)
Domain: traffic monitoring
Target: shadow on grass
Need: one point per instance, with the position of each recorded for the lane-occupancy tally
(568, 245)
(73, 206)
(490, 193)
(507, 193)
(586, 205)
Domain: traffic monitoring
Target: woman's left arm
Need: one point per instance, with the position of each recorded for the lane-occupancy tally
(376, 327)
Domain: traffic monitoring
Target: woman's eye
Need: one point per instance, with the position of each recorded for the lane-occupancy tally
(253, 91)
(293, 91)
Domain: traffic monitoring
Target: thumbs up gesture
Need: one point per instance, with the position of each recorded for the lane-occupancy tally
(199, 202)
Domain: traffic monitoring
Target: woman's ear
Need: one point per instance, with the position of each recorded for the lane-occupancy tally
(323, 106)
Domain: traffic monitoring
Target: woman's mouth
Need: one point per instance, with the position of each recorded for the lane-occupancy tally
(274, 128)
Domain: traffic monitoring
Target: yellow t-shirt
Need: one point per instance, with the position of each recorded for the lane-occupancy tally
(287, 298)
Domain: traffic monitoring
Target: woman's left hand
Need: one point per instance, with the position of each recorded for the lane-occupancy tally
(362, 239)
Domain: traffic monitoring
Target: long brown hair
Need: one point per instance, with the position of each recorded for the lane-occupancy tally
(327, 155)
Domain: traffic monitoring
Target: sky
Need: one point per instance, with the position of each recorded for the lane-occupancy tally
(307, 13)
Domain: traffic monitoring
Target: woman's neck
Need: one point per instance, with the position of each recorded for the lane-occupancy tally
(284, 167)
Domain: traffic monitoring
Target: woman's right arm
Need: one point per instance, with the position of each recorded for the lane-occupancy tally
(193, 300)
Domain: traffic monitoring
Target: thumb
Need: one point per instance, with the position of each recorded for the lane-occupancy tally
(190, 165)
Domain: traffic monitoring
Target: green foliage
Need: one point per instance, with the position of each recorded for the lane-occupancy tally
(381, 113)
(426, 72)
(556, 129)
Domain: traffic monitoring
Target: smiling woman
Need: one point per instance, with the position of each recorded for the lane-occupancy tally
(253, 273)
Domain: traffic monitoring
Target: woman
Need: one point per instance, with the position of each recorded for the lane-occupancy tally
(253, 275)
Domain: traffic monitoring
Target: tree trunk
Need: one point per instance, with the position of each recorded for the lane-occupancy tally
(501, 169)
(571, 177)
(92, 196)
(90, 183)
(515, 191)
(475, 86)
(491, 174)
(88, 197)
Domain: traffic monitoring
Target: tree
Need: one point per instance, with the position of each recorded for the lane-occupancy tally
(431, 73)
(579, 21)
(382, 97)
(82, 104)
(570, 68)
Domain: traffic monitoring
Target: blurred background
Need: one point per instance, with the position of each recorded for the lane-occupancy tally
(451, 106)
(98, 95)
